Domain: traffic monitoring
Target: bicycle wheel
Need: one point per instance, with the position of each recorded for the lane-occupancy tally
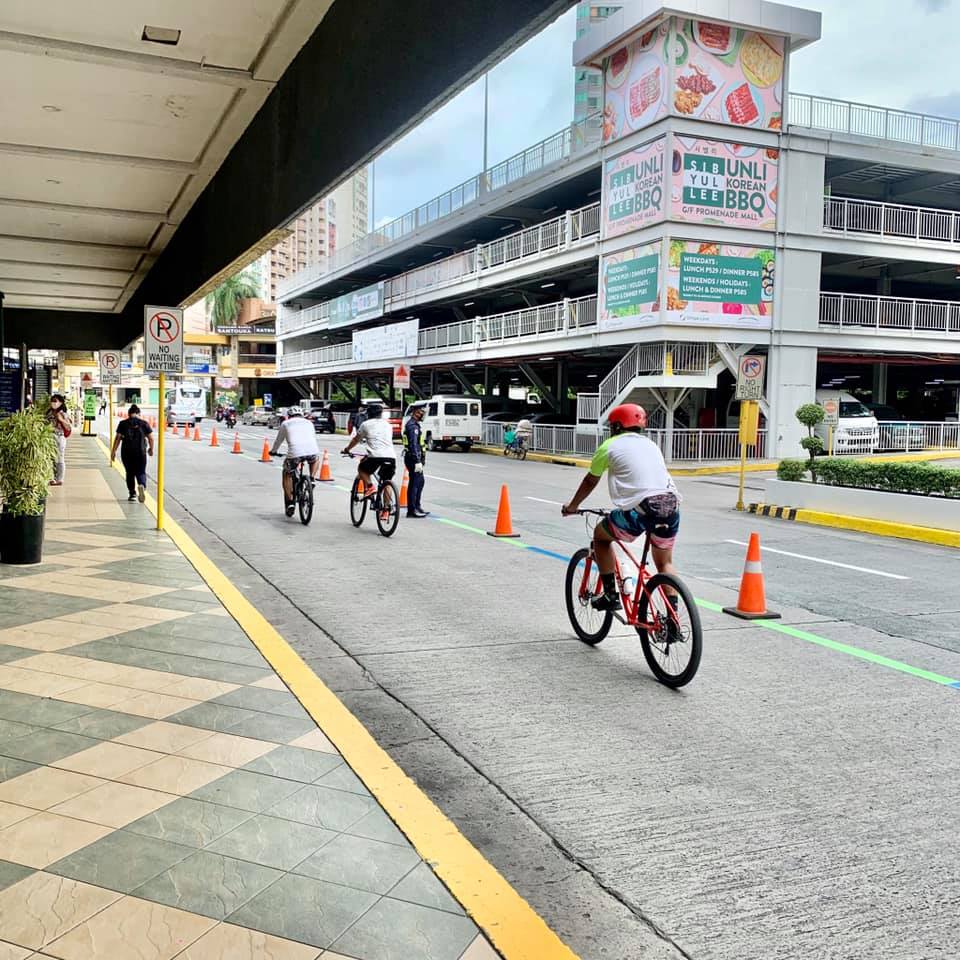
(673, 646)
(582, 585)
(358, 504)
(387, 525)
(305, 499)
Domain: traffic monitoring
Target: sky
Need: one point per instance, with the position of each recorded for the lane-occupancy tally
(893, 53)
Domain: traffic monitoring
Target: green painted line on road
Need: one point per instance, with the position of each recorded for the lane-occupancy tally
(461, 526)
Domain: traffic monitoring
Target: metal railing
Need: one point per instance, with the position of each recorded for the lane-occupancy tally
(685, 445)
(866, 120)
(857, 311)
(911, 436)
(318, 356)
(894, 220)
(553, 149)
(289, 320)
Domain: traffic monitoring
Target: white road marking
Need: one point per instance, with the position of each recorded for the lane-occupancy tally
(459, 483)
(555, 503)
(829, 563)
(467, 463)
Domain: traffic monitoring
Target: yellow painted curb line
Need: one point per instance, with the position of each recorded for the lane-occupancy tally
(512, 925)
(881, 528)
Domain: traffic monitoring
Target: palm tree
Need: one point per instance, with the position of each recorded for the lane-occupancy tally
(224, 302)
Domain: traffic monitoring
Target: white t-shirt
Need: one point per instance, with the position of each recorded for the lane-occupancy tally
(636, 469)
(378, 437)
(300, 436)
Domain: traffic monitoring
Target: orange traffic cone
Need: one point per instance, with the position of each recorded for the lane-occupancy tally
(265, 453)
(214, 442)
(196, 434)
(504, 527)
(325, 475)
(403, 489)
(752, 602)
(236, 444)
(174, 433)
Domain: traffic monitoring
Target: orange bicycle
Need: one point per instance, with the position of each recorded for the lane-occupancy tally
(659, 607)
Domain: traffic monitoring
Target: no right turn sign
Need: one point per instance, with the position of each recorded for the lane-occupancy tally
(162, 340)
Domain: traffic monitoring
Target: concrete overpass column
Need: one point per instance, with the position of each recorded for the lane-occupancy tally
(880, 372)
(791, 381)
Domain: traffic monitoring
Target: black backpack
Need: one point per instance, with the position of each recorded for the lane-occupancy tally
(135, 440)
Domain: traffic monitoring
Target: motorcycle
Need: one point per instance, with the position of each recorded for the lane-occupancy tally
(231, 419)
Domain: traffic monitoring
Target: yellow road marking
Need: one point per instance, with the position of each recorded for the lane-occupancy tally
(511, 924)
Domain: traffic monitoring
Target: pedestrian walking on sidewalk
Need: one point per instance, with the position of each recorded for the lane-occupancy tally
(57, 415)
(414, 458)
(135, 439)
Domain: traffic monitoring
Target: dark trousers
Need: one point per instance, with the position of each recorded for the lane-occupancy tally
(136, 470)
(414, 488)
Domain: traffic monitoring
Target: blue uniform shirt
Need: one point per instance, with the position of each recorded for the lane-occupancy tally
(411, 441)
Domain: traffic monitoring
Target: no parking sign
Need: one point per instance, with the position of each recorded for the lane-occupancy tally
(162, 340)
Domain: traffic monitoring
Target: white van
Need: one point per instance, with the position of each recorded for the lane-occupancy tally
(450, 420)
(858, 430)
(186, 403)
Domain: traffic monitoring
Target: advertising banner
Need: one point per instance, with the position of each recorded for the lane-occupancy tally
(729, 184)
(727, 75)
(630, 288)
(635, 85)
(633, 190)
(364, 304)
(720, 284)
(391, 342)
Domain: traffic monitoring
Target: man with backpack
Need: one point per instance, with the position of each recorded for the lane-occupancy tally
(135, 439)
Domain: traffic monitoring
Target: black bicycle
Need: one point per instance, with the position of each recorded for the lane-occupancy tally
(385, 509)
(302, 490)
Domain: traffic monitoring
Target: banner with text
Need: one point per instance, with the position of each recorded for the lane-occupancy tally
(730, 184)
(364, 304)
(720, 284)
(633, 190)
(395, 341)
(630, 288)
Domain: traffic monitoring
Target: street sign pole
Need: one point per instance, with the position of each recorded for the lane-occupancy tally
(748, 434)
(161, 423)
(110, 413)
(743, 471)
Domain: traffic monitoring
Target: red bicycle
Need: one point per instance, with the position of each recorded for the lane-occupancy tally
(659, 607)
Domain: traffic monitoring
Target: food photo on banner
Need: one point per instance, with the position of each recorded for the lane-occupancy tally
(630, 288)
(720, 73)
(720, 284)
(728, 184)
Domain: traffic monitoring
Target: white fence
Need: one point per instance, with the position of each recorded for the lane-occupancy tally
(891, 220)
(706, 445)
(911, 436)
(864, 120)
(893, 314)
(555, 148)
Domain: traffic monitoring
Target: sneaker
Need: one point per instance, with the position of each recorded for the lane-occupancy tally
(142, 493)
(132, 498)
(606, 601)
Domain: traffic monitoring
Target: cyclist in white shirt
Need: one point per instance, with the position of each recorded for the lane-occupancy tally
(645, 498)
(376, 433)
(301, 440)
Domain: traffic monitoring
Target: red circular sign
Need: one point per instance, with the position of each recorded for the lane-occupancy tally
(164, 327)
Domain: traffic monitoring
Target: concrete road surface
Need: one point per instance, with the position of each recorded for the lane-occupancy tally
(798, 800)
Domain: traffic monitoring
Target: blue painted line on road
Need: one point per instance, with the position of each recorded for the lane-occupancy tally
(956, 685)
(548, 553)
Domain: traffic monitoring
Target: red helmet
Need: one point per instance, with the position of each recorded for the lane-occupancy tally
(628, 415)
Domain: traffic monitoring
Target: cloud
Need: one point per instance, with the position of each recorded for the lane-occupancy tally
(937, 104)
(934, 6)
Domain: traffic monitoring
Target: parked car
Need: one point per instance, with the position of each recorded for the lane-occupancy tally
(257, 416)
(896, 431)
(323, 420)
(277, 417)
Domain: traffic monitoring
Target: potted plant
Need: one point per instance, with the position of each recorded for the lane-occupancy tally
(27, 453)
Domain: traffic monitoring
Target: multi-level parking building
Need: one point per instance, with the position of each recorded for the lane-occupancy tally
(722, 214)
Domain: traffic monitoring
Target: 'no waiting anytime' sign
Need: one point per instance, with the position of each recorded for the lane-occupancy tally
(162, 340)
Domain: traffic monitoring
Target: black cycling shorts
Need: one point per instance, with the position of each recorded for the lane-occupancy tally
(385, 466)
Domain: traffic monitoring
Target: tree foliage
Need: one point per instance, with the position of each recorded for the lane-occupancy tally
(28, 449)
(224, 302)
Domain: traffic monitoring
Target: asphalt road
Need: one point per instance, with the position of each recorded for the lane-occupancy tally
(798, 799)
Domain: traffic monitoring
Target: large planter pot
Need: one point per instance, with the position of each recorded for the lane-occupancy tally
(21, 538)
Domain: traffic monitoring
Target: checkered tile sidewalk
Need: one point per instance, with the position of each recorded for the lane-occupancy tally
(162, 793)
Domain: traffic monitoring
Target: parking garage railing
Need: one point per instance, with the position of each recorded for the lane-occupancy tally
(859, 312)
(879, 123)
(894, 221)
(534, 160)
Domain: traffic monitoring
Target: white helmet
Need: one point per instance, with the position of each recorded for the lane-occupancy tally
(294, 411)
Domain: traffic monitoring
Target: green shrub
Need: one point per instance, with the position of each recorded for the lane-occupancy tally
(791, 470)
(923, 479)
(810, 414)
(28, 449)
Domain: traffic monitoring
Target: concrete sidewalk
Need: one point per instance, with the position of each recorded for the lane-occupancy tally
(162, 793)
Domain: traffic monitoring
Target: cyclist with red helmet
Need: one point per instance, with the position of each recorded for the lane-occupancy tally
(645, 498)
